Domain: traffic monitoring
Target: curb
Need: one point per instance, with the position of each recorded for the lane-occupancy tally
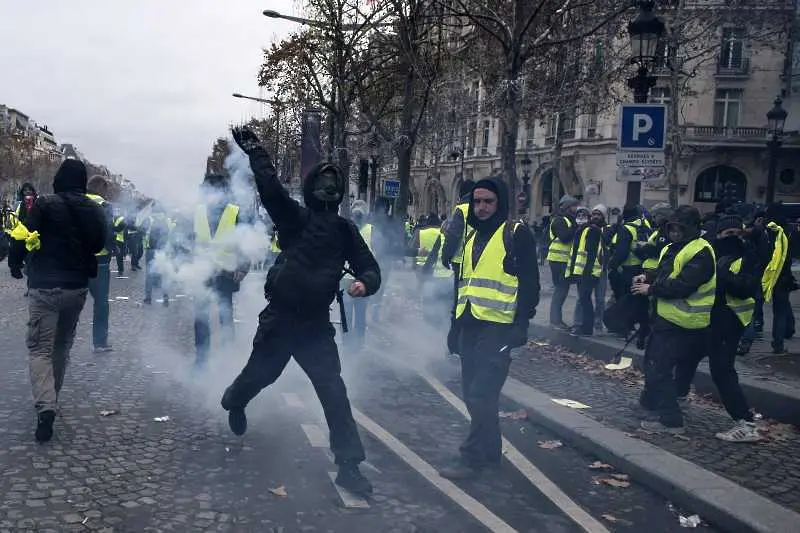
(722, 502)
(773, 399)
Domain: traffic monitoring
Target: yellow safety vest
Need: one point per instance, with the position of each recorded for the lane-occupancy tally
(651, 263)
(775, 265)
(693, 312)
(464, 208)
(490, 290)
(631, 260)
(427, 241)
(742, 307)
(220, 245)
(559, 251)
(576, 267)
(274, 248)
(119, 235)
(366, 234)
(100, 201)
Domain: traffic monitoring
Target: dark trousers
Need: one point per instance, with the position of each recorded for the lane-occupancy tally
(136, 249)
(119, 255)
(313, 347)
(782, 317)
(456, 274)
(202, 319)
(560, 292)
(666, 353)
(586, 286)
(99, 287)
(151, 278)
(484, 369)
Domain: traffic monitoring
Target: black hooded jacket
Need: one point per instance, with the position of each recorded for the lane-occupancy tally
(315, 243)
(523, 242)
(743, 284)
(454, 233)
(23, 212)
(72, 229)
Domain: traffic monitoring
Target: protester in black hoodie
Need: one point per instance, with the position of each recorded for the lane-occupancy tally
(72, 229)
(26, 198)
(315, 244)
(498, 294)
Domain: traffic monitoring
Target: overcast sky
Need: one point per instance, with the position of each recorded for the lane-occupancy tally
(143, 87)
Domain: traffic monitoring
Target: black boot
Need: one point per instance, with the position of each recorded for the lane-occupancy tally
(351, 478)
(459, 470)
(44, 426)
(237, 419)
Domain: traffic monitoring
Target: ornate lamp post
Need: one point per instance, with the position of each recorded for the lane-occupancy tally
(645, 33)
(776, 118)
(526, 178)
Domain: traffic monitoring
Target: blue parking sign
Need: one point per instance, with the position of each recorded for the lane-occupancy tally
(391, 188)
(642, 127)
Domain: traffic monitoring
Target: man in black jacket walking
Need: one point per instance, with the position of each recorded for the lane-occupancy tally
(72, 229)
(315, 244)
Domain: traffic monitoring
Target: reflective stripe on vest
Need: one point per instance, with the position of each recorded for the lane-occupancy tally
(577, 261)
(651, 263)
(490, 291)
(693, 312)
(220, 246)
(119, 235)
(773, 270)
(559, 251)
(366, 234)
(631, 260)
(101, 202)
(464, 208)
(742, 307)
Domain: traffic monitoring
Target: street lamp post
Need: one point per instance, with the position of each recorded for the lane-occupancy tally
(776, 118)
(645, 33)
(278, 105)
(526, 178)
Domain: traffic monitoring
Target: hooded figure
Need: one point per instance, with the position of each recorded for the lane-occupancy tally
(71, 230)
(316, 245)
(26, 196)
(560, 237)
(494, 308)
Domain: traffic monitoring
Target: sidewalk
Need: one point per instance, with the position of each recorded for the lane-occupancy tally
(770, 382)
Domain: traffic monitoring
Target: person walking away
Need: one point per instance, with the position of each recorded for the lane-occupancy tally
(214, 240)
(119, 244)
(758, 237)
(134, 239)
(584, 269)
(356, 307)
(561, 234)
(738, 282)
(300, 287)
(498, 294)
(683, 291)
(778, 281)
(98, 189)
(431, 273)
(66, 230)
(156, 235)
(598, 218)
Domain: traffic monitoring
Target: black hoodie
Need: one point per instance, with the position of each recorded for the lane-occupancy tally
(72, 228)
(23, 212)
(523, 242)
(315, 243)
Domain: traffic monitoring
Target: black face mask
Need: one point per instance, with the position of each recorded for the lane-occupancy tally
(731, 245)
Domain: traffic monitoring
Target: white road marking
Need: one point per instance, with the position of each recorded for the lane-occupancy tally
(292, 400)
(447, 487)
(521, 463)
(350, 500)
(316, 436)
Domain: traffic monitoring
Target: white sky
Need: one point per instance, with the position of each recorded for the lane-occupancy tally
(141, 86)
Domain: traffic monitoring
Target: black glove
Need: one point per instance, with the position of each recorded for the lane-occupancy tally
(16, 272)
(519, 334)
(246, 139)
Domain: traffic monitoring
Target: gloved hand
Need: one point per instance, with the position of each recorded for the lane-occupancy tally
(246, 139)
(518, 335)
(16, 273)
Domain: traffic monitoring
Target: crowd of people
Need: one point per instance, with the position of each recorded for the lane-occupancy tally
(683, 286)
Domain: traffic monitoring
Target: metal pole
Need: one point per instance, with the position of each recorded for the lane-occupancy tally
(774, 146)
(641, 85)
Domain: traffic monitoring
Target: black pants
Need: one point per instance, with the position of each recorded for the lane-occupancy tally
(456, 274)
(668, 350)
(313, 347)
(560, 292)
(782, 317)
(723, 342)
(586, 285)
(119, 254)
(484, 369)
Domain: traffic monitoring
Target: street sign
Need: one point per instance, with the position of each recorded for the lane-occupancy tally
(642, 127)
(630, 159)
(391, 188)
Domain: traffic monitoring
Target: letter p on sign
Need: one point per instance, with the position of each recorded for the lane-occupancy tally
(642, 124)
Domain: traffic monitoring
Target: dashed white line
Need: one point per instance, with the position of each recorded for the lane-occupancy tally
(467, 502)
(316, 436)
(533, 474)
(292, 400)
(350, 500)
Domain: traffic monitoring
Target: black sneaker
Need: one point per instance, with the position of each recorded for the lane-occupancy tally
(351, 478)
(147, 301)
(44, 426)
(778, 349)
(744, 347)
(459, 470)
(237, 421)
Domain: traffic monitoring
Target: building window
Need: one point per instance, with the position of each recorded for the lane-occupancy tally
(732, 52)
(551, 128)
(660, 95)
(486, 132)
(591, 121)
(568, 124)
(529, 134)
(472, 137)
(550, 194)
(710, 184)
(666, 56)
(727, 106)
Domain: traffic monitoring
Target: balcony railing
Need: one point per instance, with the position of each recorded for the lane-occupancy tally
(730, 67)
(724, 132)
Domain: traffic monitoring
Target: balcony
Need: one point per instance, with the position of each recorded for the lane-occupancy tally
(730, 67)
(725, 136)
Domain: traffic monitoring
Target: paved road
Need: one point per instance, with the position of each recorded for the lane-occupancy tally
(128, 472)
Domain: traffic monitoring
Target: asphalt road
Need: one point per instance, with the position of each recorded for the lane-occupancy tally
(131, 470)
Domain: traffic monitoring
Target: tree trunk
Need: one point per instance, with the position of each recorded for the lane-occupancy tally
(407, 140)
(558, 148)
(510, 125)
(403, 169)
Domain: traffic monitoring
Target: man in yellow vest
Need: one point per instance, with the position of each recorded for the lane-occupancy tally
(683, 290)
(214, 241)
(497, 297)
(119, 244)
(156, 234)
(356, 308)
(435, 283)
(99, 189)
(455, 234)
(585, 269)
(561, 234)
(778, 281)
(738, 282)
